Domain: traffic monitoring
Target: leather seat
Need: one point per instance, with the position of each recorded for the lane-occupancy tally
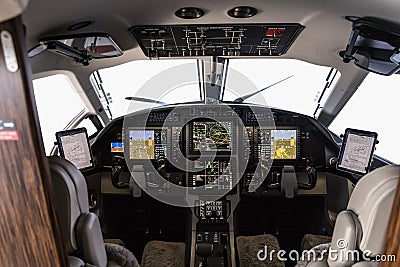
(80, 229)
(362, 226)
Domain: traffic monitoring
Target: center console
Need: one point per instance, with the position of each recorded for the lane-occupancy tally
(212, 233)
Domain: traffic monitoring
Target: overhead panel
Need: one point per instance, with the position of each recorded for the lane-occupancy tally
(216, 40)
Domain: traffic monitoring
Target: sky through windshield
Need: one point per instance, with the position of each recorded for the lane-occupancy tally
(299, 93)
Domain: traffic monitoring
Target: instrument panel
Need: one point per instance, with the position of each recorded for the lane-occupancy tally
(212, 148)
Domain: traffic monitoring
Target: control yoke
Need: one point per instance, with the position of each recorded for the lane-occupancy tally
(288, 183)
(116, 172)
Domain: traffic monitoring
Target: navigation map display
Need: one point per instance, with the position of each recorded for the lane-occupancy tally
(147, 144)
(73, 145)
(212, 136)
(356, 151)
(213, 175)
(276, 143)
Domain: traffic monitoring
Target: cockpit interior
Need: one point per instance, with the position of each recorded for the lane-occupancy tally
(211, 133)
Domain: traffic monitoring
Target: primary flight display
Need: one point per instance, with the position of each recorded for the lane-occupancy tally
(277, 143)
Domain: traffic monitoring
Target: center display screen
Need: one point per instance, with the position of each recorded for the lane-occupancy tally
(147, 144)
(213, 175)
(276, 143)
(212, 136)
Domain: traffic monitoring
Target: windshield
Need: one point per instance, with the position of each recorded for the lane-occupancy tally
(300, 93)
(176, 81)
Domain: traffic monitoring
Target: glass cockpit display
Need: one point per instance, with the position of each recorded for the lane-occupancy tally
(214, 210)
(276, 143)
(212, 174)
(356, 151)
(147, 144)
(212, 136)
(117, 147)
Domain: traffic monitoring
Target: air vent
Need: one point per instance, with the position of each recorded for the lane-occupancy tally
(242, 12)
(189, 13)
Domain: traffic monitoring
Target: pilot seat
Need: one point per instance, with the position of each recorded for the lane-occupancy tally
(81, 231)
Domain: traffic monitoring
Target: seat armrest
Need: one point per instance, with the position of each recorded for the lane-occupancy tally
(91, 242)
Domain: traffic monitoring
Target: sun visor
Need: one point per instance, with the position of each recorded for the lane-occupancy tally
(374, 45)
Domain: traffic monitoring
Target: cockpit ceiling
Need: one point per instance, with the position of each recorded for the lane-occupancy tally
(325, 34)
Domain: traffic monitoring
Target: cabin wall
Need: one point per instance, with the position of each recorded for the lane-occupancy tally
(29, 234)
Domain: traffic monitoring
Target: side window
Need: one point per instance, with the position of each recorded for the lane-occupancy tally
(57, 103)
(374, 107)
(86, 123)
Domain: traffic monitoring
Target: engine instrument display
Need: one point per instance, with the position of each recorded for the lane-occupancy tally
(213, 175)
(147, 144)
(212, 136)
(276, 143)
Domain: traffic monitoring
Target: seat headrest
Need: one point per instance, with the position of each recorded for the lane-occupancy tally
(372, 202)
(70, 197)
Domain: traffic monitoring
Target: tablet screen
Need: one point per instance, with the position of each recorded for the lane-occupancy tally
(356, 151)
(74, 146)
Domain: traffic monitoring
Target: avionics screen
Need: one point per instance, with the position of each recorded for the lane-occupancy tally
(147, 144)
(212, 136)
(356, 151)
(117, 147)
(211, 210)
(213, 175)
(73, 145)
(276, 143)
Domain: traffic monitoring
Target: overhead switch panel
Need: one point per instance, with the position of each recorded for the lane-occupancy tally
(216, 40)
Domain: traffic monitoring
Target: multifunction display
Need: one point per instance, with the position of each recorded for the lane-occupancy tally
(212, 136)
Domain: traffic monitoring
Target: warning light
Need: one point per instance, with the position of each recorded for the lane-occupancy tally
(275, 32)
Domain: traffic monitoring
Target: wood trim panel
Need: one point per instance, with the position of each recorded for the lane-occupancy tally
(392, 243)
(29, 234)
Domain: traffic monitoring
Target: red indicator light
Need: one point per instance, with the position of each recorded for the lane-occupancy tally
(275, 32)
